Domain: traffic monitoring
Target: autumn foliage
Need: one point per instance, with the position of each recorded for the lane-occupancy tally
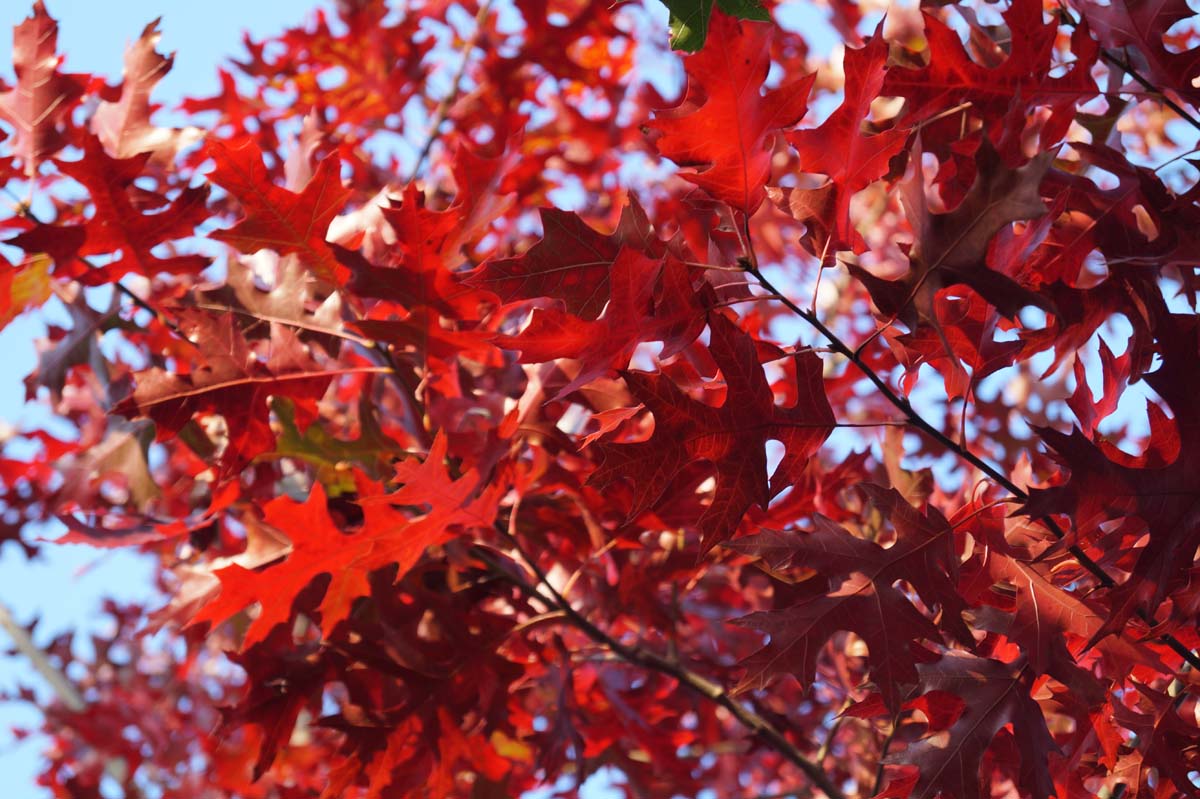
(505, 396)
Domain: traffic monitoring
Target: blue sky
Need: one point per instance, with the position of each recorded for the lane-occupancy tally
(64, 587)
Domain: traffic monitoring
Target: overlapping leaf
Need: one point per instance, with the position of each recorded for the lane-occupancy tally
(724, 129)
(276, 218)
(230, 381)
(994, 695)
(731, 437)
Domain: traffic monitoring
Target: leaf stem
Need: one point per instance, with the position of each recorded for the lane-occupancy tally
(883, 750)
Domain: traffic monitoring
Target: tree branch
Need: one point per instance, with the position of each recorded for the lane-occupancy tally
(905, 407)
(64, 689)
(443, 109)
(638, 656)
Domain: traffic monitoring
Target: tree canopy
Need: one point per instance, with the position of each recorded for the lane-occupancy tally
(744, 405)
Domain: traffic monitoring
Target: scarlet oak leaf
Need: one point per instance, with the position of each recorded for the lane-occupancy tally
(118, 225)
(124, 126)
(418, 274)
(276, 218)
(732, 437)
(1053, 626)
(453, 504)
(840, 149)
(43, 98)
(878, 613)
(571, 263)
(951, 248)
(923, 554)
(1116, 372)
(1164, 741)
(995, 694)
(392, 534)
(230, 381)
(1020, 79)
(273, 704)
(1137, 29)
(970, 325)
(318, 547)
(631, 317)
(293, 296)
(1160, 490)
(725, 127)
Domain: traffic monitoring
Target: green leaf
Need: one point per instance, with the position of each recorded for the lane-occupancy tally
(745, 9)
(689, 19)
(373, 450)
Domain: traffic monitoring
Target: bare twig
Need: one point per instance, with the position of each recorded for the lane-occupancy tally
(63, 688)
(443, 109)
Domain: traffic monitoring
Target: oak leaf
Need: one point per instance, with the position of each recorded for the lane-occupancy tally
(571, 262)
(731, 437)
(124, 126)
(41, 102)
(724, 128)
(276, 218)
(840, 149)
(632, 316)
(119, 226)
(951, 248)
(994, 694)
(231, 381)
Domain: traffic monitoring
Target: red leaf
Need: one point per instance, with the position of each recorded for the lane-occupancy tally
(571, 263)
(840, 149)
(731, 437)
(631, 317)
(951, 248)
(118, 224)
(725, 128)
(1137, 29)
(387, 537)
(276, 218)
(318, 547)
(995, 695)
(124, 126)
(40, 104)
(1021, 78)
(230, 381)
(879, 614)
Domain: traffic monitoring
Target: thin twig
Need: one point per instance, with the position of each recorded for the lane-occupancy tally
(1120, 63)
(740, 300)
(883, 750)
(638, 656)
(22, 208)
(63, 688)
(443, 109)
(904, 406)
